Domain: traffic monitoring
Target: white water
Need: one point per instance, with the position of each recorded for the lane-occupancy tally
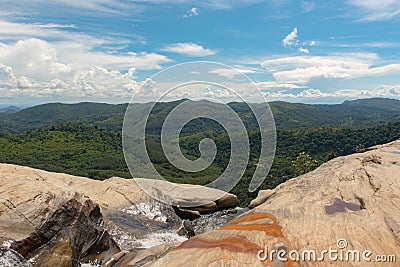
(160, 238)
(11, 258)
(151, 211)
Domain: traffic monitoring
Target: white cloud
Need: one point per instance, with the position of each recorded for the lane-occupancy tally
(100, 6)
(119, 7)
(232, 73)
(42, 60)
(7, 77)
(31, 57)
(301, 69)
(194, 11)
(189, 49)
(369, 45)
(56, 25)
(291, 39)
(69, 48)
(12, 31)
(303, 50)
(384, 91)
(313, 43)
(372, 10)
(217, 4)
(93, 83)
(268, 85)
(294, 73)
(71, 64)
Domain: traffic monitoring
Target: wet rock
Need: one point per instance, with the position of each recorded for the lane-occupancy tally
(11, 258)
(227, 201)
(187, 214)
(71, 230)
(209, 222)
(207, 208)
(62, 220)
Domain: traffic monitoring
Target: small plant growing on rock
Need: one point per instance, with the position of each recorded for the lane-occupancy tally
(304, 163)
(360, 148)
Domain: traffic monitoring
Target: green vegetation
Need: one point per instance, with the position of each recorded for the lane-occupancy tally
(72, 148)
(94, 152)
(85, 139)
(356, 114)
(304, 163)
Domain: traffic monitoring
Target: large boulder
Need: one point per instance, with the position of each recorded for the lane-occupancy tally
(48, 215)
(349, 204)
(111, 194)
(68, 228)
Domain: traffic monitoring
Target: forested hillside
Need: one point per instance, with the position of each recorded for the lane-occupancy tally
(94, 152)
(350, 114)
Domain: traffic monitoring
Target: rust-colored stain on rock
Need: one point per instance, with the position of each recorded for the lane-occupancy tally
(233, 244)
(271, 229)
(240, 244)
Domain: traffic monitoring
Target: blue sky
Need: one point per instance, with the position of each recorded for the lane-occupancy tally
(298, 51)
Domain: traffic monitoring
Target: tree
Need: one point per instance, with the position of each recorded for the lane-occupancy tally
(304, 163)
(331, 155)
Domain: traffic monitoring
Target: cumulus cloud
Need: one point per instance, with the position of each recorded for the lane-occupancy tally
(31, 57)
(79, 49)
(194, 11)
(301, 69)
(93, 83)
(189, 49)
(310, 93)
(42, 60)
(36, 68)
(47, 60)
(7, 77)
(307, 93)
(291, 39)
(295, 76)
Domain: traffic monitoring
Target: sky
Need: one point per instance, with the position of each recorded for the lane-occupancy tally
(108, 50)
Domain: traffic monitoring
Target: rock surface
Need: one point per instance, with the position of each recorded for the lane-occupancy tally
(60, 231)
(348, 204)
(57, 219)
(111, 194)
(262, 196)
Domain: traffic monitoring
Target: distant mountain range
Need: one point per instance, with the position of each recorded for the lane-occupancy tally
(10, 109)
(350, 114)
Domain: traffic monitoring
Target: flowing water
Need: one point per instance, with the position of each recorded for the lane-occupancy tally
(215, 220)
(11, 258)
(144, 225)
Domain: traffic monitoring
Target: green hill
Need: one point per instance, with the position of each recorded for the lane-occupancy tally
(350, 114)
(85, 138)
(89, 151)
